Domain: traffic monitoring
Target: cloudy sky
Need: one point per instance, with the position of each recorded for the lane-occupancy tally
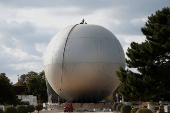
(27, 26)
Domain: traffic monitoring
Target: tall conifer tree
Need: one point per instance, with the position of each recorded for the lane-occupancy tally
(152, 60)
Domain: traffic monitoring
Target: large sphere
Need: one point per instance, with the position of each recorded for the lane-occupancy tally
(82, 61)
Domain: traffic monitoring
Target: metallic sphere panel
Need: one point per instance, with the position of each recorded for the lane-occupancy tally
(88, 68)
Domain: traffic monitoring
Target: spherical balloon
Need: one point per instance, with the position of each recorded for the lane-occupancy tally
(81, 61)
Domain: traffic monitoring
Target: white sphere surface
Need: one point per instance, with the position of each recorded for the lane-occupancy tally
(81, 62)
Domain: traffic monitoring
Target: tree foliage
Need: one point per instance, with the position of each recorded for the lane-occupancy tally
(7, 95)
(22, 109)
(152, 60)
(118, 107)
(30, 108)
(114, 106)
(20, 87)
(36, 85)
(1, 111)
(39, 107)
(144, 110)
(11, 110)
(25, 77)
(125, 109)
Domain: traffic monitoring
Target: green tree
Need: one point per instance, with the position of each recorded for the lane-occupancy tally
(39, 107)
(126, 109)
(152, 60)
(37, 86)
(30, 108)
(11, 110)
(7, 95)
(20, 87)
(22, 109)
(24, 78)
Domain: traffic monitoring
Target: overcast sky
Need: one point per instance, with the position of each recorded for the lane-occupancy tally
(27, 26)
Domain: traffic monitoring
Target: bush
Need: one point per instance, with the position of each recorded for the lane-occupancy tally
(11, 110)
(134, 110)
(114, 106)
(125, 109)
(135, 104)
(39, 107)
(22, 109)
(144, 110)
(30, 108)
(1, 111)
(119, 107)
(23, 103)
